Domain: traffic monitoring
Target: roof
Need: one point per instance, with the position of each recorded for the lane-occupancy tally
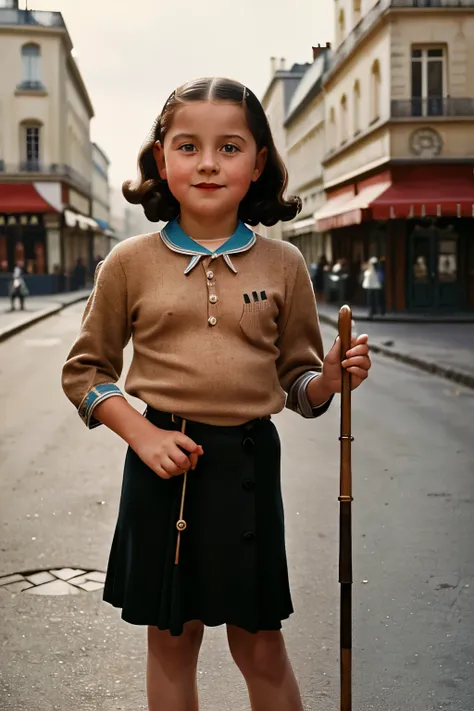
(309, 86)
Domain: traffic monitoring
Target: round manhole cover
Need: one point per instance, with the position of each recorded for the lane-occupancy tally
(65, 581)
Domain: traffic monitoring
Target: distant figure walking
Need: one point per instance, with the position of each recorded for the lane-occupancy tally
(318, 277)
(18, 288)
(373, 286)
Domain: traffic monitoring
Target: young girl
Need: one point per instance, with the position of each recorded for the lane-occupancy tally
(225, 330)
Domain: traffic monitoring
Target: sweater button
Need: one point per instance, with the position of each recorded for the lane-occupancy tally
(248, 484)
(212, 321)
(213, 298)
(214, 256)
(210, 275)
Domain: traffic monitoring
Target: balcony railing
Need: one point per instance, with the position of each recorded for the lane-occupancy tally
(54, 169)
(373, 16)
(31, 86)
(40, 18)
(432, 3)
(432, 107)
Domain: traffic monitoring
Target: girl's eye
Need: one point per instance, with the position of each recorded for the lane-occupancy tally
(187, 147)
(230, 148)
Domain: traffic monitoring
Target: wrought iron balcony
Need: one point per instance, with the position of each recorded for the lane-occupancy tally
(60, 170)
(432, 107)
(38, 18)
(31, 86)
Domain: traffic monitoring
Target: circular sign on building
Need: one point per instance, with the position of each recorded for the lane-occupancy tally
(426, 143)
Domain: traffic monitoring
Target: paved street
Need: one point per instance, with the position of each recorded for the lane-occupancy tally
(413, 533)
(449, 345)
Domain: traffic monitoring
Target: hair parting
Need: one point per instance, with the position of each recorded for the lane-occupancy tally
(265, 202)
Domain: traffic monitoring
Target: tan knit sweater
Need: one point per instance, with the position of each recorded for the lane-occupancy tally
(214, 346)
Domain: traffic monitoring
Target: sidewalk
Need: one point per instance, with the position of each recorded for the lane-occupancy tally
(36, 309)
(443, 348)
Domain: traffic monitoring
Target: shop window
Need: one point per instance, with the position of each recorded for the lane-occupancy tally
(30, 137)
(375, 85)
(356, 104)
(31, 67)
(428, 68)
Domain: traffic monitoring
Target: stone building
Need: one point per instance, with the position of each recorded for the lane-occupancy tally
(46, 163)
(398, 170)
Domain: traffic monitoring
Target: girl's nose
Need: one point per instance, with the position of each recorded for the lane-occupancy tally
(208, 163)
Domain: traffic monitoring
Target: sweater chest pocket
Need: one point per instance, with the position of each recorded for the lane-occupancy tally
(258, 323)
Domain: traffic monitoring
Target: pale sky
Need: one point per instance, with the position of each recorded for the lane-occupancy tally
(133, 54)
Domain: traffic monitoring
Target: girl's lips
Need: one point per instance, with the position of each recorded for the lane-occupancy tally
(208, 186)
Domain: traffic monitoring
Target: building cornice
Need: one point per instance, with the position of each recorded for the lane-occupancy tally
(371, 23)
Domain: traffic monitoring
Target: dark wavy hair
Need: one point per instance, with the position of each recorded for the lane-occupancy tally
(265, 202)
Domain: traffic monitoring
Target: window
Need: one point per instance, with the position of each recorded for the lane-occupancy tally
(344, 127)
(31, 146)
(375, 81)
(356, 12)
(356, 108)
(31, 61)
(332, 138)
(342, 26)
(427, 81)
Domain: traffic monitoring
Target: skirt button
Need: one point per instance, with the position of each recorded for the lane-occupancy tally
(248, 444)
(249, 536)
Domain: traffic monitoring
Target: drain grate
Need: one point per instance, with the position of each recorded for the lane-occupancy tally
(65, 581)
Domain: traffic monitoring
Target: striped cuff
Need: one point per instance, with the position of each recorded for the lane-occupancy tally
(94, 397)
(298, 400)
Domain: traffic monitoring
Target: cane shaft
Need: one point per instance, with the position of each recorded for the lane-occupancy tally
(345, 515)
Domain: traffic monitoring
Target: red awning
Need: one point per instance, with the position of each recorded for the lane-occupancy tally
(334, 206)
(437, 197)
(16, 198)
(357, 210)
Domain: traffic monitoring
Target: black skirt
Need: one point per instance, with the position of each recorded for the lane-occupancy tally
(232, 562)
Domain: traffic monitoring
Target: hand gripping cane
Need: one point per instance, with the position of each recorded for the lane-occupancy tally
(345, 516)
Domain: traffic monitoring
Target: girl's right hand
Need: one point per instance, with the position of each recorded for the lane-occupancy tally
(160, 450)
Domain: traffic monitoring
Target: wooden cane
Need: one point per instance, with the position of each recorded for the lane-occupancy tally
(345, 516)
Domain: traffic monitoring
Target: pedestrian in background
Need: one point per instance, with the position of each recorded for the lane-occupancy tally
(373, 287)
(225, 330)
(322, 267)
(18, 288)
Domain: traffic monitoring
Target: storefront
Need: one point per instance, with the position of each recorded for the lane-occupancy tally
(419, 222)
(311, 243)
(28, 213)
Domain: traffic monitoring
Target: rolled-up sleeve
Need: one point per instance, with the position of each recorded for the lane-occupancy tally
(95, 361)
(300, 345)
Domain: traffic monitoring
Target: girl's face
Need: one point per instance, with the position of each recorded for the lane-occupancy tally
(209, 158)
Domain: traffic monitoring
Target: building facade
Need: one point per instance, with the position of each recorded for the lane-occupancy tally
(275, 102)
(46, 161)
(305, 148)
(398, 170)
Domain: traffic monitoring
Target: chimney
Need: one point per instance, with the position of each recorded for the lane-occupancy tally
(317, 50)
(273, 65)
(283, 63)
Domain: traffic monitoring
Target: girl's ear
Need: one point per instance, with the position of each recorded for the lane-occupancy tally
(260, 163)
(159, 156)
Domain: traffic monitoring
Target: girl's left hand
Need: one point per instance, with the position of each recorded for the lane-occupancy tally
(357, 363)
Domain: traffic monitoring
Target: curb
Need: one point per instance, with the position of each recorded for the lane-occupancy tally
(15, 328)
(456, 376)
